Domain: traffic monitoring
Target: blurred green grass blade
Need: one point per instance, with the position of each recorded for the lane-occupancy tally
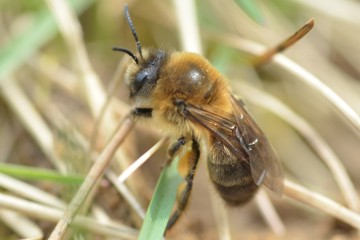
(28, 42)
(32, 173)
(161, 204)
(221, 57)
(252, 10)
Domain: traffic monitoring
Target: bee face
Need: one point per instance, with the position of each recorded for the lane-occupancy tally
(142, 77)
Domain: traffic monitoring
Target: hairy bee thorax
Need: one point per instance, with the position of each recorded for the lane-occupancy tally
(163, 83)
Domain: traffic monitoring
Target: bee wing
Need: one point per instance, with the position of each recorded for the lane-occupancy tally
(243, 137)
(264, 163)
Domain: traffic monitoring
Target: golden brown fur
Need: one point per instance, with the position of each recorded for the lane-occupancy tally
(185, 96)
(211, 93)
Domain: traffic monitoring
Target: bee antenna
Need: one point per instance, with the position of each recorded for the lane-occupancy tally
(131, 25)
(128, 52)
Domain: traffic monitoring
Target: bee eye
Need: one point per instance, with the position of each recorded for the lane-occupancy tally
(139, 80)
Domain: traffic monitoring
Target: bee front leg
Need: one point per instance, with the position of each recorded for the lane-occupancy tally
(141, 112)
(187, 167)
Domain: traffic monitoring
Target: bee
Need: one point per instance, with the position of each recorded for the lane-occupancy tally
(185, 96)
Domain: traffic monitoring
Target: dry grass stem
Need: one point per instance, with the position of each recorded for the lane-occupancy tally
(7, 143)
(71, 30)
(128, 196)
(112, 89)
(95, 173)
(269, 213)
(315, 83)
(54, 71)
(318, 201)
(265, 57)
(188, 26)
(220, 215)
(140, 161)
(60, 121)
(300, 73)
(100, 215)
(96, 96)
(53, 214)
(21, 225)
(29, 191)
(31, 119)
(315, 141)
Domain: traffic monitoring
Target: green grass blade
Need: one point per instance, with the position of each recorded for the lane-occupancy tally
(251, 9)
(28, 42)
(221, 58)
(161, 204)
(32, 173)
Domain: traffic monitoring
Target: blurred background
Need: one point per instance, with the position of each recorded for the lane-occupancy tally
(51, 100)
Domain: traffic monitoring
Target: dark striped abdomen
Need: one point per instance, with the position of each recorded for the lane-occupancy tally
(231, 177)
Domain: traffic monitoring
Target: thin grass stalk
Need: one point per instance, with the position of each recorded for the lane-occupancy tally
(95, 173)
(140, 161)
(31, 119)
(128, 196)
(101, 215)
(314, 139)
(29, 191)
(39, 32)
(267, 56)
(112, 89)
(96, 96)
(221, 216)
(21, 225)
(60, 121)
(188, 26)
(71, 30)
(63, 77)
(322, 203)
(53, 214)
(303, 75)
(269, 213)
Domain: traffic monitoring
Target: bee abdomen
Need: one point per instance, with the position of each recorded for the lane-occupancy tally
(233, 181)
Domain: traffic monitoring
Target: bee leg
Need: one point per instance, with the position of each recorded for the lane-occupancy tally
(142, 112)
(187, 167)
(176, 146)
(174, 149)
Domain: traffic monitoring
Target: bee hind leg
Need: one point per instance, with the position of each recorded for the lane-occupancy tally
(187, 167)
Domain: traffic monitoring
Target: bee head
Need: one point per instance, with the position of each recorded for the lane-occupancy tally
(143, 72)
